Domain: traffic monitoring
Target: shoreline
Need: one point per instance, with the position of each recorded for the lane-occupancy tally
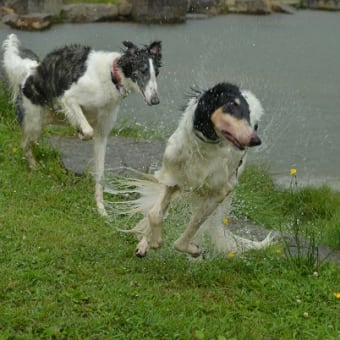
(43, 16)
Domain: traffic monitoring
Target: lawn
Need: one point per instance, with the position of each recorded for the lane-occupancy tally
(67, 273)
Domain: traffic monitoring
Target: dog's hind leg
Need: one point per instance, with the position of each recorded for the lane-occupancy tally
(152, 236)
(204, 209)
(31, 123)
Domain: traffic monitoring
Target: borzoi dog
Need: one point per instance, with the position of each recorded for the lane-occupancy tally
(202, 162)
(87, 86)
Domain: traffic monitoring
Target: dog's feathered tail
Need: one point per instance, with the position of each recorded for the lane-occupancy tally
(142, 194)
(18, 63)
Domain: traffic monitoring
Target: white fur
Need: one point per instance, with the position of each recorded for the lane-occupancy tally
(205, 174)
(151, 88)
(255, 106)
(17, 68)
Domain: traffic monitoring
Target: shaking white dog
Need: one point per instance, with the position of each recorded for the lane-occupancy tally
(202, 162)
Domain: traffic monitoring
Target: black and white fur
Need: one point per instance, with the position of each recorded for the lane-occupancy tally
(85, 85)
(202, 162)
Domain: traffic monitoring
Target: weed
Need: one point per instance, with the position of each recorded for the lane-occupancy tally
(304, 235)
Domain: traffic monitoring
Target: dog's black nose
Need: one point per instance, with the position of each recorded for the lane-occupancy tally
(154, 101)
(255, 140)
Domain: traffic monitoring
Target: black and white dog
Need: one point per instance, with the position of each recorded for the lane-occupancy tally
(202, 162)
(87, 86)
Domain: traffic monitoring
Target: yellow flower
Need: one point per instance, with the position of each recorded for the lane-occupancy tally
(293, 171)
(337, 295)
(231, 254)
(225, 221)
(278, 251)
(14, 150)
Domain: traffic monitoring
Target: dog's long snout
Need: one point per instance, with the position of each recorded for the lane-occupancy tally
(255, 140)
(154, 100)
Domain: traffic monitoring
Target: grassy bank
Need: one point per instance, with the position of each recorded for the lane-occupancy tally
(66, 272)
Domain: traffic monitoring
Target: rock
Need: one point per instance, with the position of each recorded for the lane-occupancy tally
(45, 6)
(17, 6)
(279, 7)
(197, 16)
(249, 6)
(303, 248)
(89, 13)
(124, 9)
(210, 7)
(159, 11)
(215, 7)
(329, 5)
(34, 6)
(6, 11)
(31, 22)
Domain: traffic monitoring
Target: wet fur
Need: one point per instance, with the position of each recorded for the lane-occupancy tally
(200, 165)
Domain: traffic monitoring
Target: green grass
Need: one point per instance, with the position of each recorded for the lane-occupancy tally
(315, 209)
(67, 273)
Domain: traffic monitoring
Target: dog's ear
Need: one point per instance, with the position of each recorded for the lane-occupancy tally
(131, 47)
(154, 50)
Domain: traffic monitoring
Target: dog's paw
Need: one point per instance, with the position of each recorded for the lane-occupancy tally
(85, 133)
(142, 248)
(155, 244)
(32, 164)
(194, 250)
(140, 253)
(101, 209)
(190, 248)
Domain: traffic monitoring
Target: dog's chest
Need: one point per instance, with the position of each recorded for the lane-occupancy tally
(207, 168)
(211, 171)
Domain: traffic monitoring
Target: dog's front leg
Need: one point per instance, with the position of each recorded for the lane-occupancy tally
(204, 209)
(76, 117)
(99, 163)
(152, 236)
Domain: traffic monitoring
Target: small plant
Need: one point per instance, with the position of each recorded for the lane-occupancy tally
(304, 237)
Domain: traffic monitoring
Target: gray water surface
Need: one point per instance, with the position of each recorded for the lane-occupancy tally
(291, 62)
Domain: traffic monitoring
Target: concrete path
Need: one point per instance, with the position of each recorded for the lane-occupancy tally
(139, 154)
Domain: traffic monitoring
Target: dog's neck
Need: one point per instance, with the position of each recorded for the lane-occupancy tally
(117, 79)
(204, 139)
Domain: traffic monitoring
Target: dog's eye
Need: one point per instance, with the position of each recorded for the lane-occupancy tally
(256, 126)
(233, 105)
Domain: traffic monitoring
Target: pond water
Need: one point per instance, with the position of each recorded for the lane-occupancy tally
(291, 62)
